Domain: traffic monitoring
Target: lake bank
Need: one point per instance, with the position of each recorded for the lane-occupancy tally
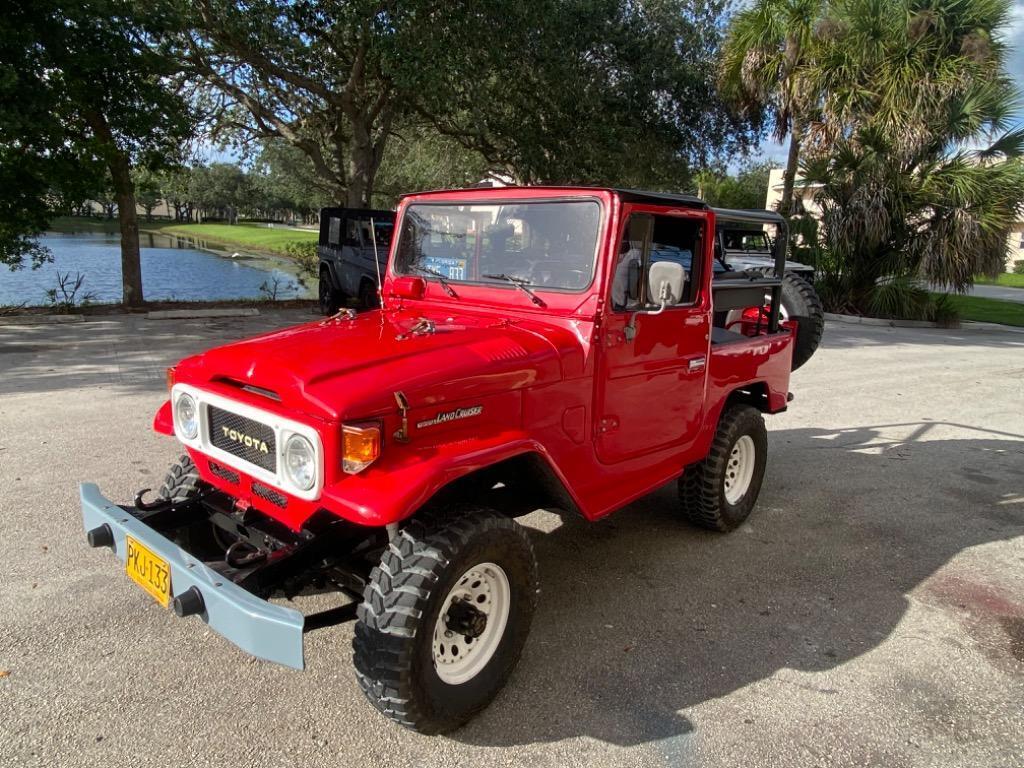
(175, 268)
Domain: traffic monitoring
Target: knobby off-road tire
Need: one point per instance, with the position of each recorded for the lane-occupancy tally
(330, 298)
(182, 482)
(406, 660)
(719, 492)
(368, 298)
(802, 304)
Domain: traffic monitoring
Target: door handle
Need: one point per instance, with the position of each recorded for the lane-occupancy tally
(696, 363)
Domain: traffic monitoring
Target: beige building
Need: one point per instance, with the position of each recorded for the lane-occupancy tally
(806, 192)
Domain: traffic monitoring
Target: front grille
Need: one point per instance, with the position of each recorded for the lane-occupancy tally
(269, 494)
(242, 437)
(224, 473)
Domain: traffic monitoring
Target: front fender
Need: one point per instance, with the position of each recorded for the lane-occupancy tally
(163, 422)
(394, 491)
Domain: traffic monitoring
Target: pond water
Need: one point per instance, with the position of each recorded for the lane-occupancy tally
(173, 269)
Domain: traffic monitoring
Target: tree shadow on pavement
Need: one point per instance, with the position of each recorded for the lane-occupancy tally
(128, 351)
(642, 618)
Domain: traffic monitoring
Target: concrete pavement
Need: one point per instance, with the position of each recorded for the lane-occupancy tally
(997, 292)
(870, 613)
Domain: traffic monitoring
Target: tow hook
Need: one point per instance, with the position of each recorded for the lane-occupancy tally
(465, 619)
(242, 554)
(188, 603)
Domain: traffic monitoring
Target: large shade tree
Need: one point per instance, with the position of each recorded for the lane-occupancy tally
(552, 90)
(86, 96)
(767, 63)
(914, 148)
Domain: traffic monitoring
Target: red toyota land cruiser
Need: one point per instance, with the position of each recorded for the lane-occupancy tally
(535, 348)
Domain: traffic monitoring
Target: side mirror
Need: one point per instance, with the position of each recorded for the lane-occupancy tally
(665, 280)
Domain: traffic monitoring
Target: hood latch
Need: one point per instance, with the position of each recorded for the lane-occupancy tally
(402, 435)
(422, 327)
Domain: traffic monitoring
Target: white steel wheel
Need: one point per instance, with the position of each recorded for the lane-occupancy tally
(471, 623)
(739, 469)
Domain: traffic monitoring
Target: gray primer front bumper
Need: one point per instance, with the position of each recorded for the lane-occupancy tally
(257, 626)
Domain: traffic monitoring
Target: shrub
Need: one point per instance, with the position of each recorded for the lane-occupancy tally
(900, 298)
(944, 313)
(304, 252)
(64, 296)
(1018, 267)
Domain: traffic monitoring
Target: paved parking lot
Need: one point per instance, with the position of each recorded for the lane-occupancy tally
(870, 613)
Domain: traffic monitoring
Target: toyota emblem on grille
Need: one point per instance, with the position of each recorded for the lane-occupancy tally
(246, 440)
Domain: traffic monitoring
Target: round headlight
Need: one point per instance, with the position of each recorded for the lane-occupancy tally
(186, 416)
(300, 462)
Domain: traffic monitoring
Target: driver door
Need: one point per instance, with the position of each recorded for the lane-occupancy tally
(651, 386)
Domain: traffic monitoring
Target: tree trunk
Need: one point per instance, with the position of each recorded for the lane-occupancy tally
(131, 266)
(789, 175)
(362, 165)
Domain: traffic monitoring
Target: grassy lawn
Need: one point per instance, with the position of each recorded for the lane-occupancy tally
(989, 310)
(1006, 280)
(244, 234)
(258, 237)
(83, 224)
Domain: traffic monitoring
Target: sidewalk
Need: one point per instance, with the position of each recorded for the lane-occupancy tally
(997, 292)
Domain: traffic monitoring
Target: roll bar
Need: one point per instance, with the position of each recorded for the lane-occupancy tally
(737, 216)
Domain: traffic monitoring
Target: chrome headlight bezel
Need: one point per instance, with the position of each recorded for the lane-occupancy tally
(187, 429)
(299, 447)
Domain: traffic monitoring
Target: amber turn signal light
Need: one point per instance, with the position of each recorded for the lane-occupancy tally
(170, 377)
(360, 447)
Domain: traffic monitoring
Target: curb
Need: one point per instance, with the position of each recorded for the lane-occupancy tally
(972, 325)
(856, 320)
(965, 325)
(184, 314)
(40, 319)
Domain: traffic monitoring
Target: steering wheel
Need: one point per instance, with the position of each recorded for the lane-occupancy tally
(558, 275)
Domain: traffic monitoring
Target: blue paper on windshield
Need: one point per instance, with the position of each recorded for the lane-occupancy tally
(453, 269)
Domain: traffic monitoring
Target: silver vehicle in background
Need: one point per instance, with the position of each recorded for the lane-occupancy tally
(744, 246)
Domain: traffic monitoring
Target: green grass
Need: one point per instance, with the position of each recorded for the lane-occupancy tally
(244, 234)
(82, 224)
(1006, 280)
(988, 310)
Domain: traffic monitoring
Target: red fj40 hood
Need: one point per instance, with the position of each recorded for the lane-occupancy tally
(348, 369)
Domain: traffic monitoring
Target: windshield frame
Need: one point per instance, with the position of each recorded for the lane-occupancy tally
(497, 202)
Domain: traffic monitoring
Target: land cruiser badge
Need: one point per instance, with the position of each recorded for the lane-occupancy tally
(445, 416)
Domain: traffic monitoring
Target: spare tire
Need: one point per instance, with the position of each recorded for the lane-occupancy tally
(801, 303)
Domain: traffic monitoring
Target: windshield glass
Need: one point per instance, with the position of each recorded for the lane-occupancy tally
(549, 245)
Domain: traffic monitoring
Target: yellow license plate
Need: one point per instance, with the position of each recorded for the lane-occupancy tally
(150, 572)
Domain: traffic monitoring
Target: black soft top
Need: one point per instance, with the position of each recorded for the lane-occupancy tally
(356, 213)
(649, 197)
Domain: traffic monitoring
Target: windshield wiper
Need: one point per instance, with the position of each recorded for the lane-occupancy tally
(522, 285)
(440, 278)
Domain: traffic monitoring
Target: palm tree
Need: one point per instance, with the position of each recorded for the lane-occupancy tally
(765, 61)
(912, 144)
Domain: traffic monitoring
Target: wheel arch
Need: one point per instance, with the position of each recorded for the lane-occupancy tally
(407, 490)
(514, 485)
(329, 268)
(754, 393)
